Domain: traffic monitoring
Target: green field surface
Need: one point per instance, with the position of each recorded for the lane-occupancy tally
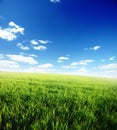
(30, 101)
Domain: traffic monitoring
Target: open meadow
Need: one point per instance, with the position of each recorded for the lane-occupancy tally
(31, 101)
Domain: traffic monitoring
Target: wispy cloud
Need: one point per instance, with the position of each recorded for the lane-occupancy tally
(85, 62)
(1, 56)
(66, 66)
(10, 33)
(82, 71)
(40, 48)
(33, 55)
(95, 48)
(112, 58)
(108, 66)
(44, 41)
(8, 65)
(55, 1)
(42, 68)
(36, 46)
(36, 42)
(23, 47)
(76, 64)
(46, 66)
(29, 55)
(61, 59)
(23, 59)
(82, 62)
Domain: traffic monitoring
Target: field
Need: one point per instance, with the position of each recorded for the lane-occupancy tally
(57, 102)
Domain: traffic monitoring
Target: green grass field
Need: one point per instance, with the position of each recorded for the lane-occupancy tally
(57, 102)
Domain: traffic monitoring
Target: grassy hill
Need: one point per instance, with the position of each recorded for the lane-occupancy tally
(57, 102)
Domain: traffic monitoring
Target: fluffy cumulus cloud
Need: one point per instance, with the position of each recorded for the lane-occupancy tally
(16, 28)
(20, 45)
(34, 42)
(11, 32)
(55, 1)
(40, 48)
(23, 59)
(61, 59)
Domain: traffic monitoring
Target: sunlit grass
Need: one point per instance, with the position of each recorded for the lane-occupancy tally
(57, 102)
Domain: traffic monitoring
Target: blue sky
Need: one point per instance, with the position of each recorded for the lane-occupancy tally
(59, 36)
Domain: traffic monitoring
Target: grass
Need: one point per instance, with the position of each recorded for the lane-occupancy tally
(57, 102)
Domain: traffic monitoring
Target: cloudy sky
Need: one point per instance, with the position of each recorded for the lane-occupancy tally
(59, 36)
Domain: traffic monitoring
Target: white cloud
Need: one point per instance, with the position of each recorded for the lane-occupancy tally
(66, 67)
(23, 47)
(40, 48)
(16, 29)
(32, 55)
(44, 41)
(34, 42)
(82, 62)
(8, 65)
(10, 33)
(95, 48)
(23, 59)
(110, 73)
(112, 58)
(45, 66)
(108, 66)
(74, 63)
(1, 56)
(82, 71)
(55, 1)
(48, 67)
(85, 62)
(29, 55)
(7, 34)
(61, 59)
